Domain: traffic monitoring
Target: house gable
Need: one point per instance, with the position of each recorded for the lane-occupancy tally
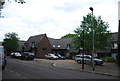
(38, 44)
(43, 47)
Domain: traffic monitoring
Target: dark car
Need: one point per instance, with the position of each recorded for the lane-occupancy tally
(2, 58)
(15, 55)
(27, 56)
(60, 57)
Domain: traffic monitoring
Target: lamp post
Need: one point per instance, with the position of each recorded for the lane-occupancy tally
(92, 39)
(83, 48)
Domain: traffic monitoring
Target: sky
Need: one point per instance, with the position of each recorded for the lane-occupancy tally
(56, 18)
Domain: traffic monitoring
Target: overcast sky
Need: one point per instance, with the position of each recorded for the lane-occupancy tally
(54, 17)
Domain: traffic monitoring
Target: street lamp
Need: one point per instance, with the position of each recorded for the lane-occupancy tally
(83, 48)
(92, 39)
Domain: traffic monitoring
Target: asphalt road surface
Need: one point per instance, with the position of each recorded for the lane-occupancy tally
(21, 69)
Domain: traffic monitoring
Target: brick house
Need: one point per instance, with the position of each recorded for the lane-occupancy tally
(41, 45)
(38, 44)
(63, 46)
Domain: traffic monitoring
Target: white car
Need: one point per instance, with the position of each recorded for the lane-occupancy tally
(88, 59)
(50, 56)
(15, 55)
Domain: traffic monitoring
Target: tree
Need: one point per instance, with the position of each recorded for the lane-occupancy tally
(68, 35)
(102, 36)
(11, 42)
(2, 2)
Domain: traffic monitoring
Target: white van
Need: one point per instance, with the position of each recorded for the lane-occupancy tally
(2, 58)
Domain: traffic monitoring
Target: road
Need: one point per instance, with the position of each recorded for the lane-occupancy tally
(21, 69)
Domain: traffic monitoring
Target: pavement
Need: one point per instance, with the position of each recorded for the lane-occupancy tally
(110, 69)
(0, 73)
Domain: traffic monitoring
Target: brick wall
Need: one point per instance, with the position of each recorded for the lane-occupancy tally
(43, 48)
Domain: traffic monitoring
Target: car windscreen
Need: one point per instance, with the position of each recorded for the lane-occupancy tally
(17, 54)
(77, 56)
(52, 54)
(31, 54)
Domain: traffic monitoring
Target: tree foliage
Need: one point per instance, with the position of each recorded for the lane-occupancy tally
(102, 36)
(11, 41)
(68, 35)
(3, 1)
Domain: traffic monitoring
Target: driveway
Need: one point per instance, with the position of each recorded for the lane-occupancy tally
(106, 69)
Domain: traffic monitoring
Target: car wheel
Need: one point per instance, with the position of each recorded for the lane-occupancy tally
(3, 67)
(79, 62)
(95, 63)
(52, 58)
(25, 58)
(18, 57)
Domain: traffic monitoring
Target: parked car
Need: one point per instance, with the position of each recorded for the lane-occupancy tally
(3, 60)
(15, 55)
(50, 56)
(27, 56)
(88, 59)
(59, 56)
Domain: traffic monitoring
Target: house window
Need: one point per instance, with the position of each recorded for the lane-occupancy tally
(33, 44)
(25, 44)
(44, 48)
(54, 46)
(114, 45)
(68, 46)
(58, 46)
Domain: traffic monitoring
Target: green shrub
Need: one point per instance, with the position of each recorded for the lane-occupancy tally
(73, 57)
(109, 59)
(102, 58)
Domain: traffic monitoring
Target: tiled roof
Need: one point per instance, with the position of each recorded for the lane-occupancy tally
(36, 39)
(115, 36)
(60, 43)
